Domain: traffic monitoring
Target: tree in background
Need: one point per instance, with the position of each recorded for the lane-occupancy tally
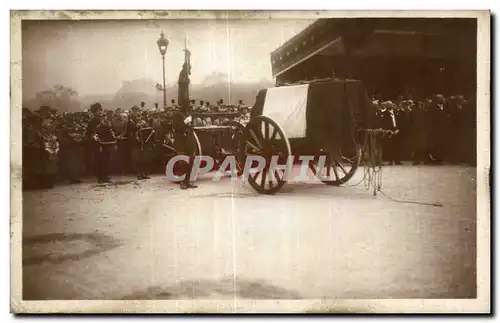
(61, 98)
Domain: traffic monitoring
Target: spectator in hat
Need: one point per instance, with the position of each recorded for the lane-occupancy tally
(391, 149)
(173, 105)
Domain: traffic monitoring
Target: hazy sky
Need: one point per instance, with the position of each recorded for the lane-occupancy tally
(94, 57)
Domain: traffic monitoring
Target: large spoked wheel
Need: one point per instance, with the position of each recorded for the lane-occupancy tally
(186, 144)
(264, 137)
(334, 168)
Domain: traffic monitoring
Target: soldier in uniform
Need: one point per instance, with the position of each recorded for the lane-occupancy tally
(183, 147)
(100, 133)
(137, 144)
(120, 121)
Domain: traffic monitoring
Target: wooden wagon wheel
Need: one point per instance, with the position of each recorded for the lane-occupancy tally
(194, 149)
(264, 137)
(338, 169)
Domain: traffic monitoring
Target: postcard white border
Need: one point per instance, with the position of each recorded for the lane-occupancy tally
(479, 305)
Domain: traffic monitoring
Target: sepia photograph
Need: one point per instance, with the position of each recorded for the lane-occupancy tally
(250, 162)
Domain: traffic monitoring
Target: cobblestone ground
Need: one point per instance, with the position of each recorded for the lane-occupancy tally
(150, 240)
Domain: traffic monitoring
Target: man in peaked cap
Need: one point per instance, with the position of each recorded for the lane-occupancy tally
(136, 144)
(101, 155)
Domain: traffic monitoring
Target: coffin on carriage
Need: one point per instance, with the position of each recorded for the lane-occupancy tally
(324, 118)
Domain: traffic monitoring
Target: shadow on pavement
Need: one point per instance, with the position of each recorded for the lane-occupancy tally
(57, 247)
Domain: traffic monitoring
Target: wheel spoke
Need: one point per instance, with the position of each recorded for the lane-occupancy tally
(336, 173)
(263, 179)
(255, 148)
(275, 132)
(341, 167)
(312, 167)
(276, 175)
(254, 176)
(271, 183)
(263, 137)
(257, 141)
(261, 134)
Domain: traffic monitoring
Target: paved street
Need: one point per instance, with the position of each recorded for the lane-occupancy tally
(150, 240)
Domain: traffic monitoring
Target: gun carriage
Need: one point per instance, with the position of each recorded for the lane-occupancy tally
(325, 118)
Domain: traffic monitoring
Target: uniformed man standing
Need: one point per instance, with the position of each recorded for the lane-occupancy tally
(184, 147)
(136, 143)
(123, 154)
(101, 136)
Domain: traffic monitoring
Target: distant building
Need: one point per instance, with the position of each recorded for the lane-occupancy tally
(391, 56)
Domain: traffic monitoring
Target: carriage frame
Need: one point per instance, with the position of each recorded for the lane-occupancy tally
(262, 136)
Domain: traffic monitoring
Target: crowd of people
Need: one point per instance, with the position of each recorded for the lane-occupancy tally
(436, 130)
(69, 146)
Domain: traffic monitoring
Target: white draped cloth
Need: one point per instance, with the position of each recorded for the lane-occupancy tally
(287, 106)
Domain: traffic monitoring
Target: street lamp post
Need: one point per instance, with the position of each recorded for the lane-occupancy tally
(162, 46)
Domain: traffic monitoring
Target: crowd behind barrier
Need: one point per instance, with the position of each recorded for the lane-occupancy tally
(66, 147)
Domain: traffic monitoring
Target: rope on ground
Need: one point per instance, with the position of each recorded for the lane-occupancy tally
(371, 155)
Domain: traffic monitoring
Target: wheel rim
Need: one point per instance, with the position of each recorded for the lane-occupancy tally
(338, 169)
(265, 138)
